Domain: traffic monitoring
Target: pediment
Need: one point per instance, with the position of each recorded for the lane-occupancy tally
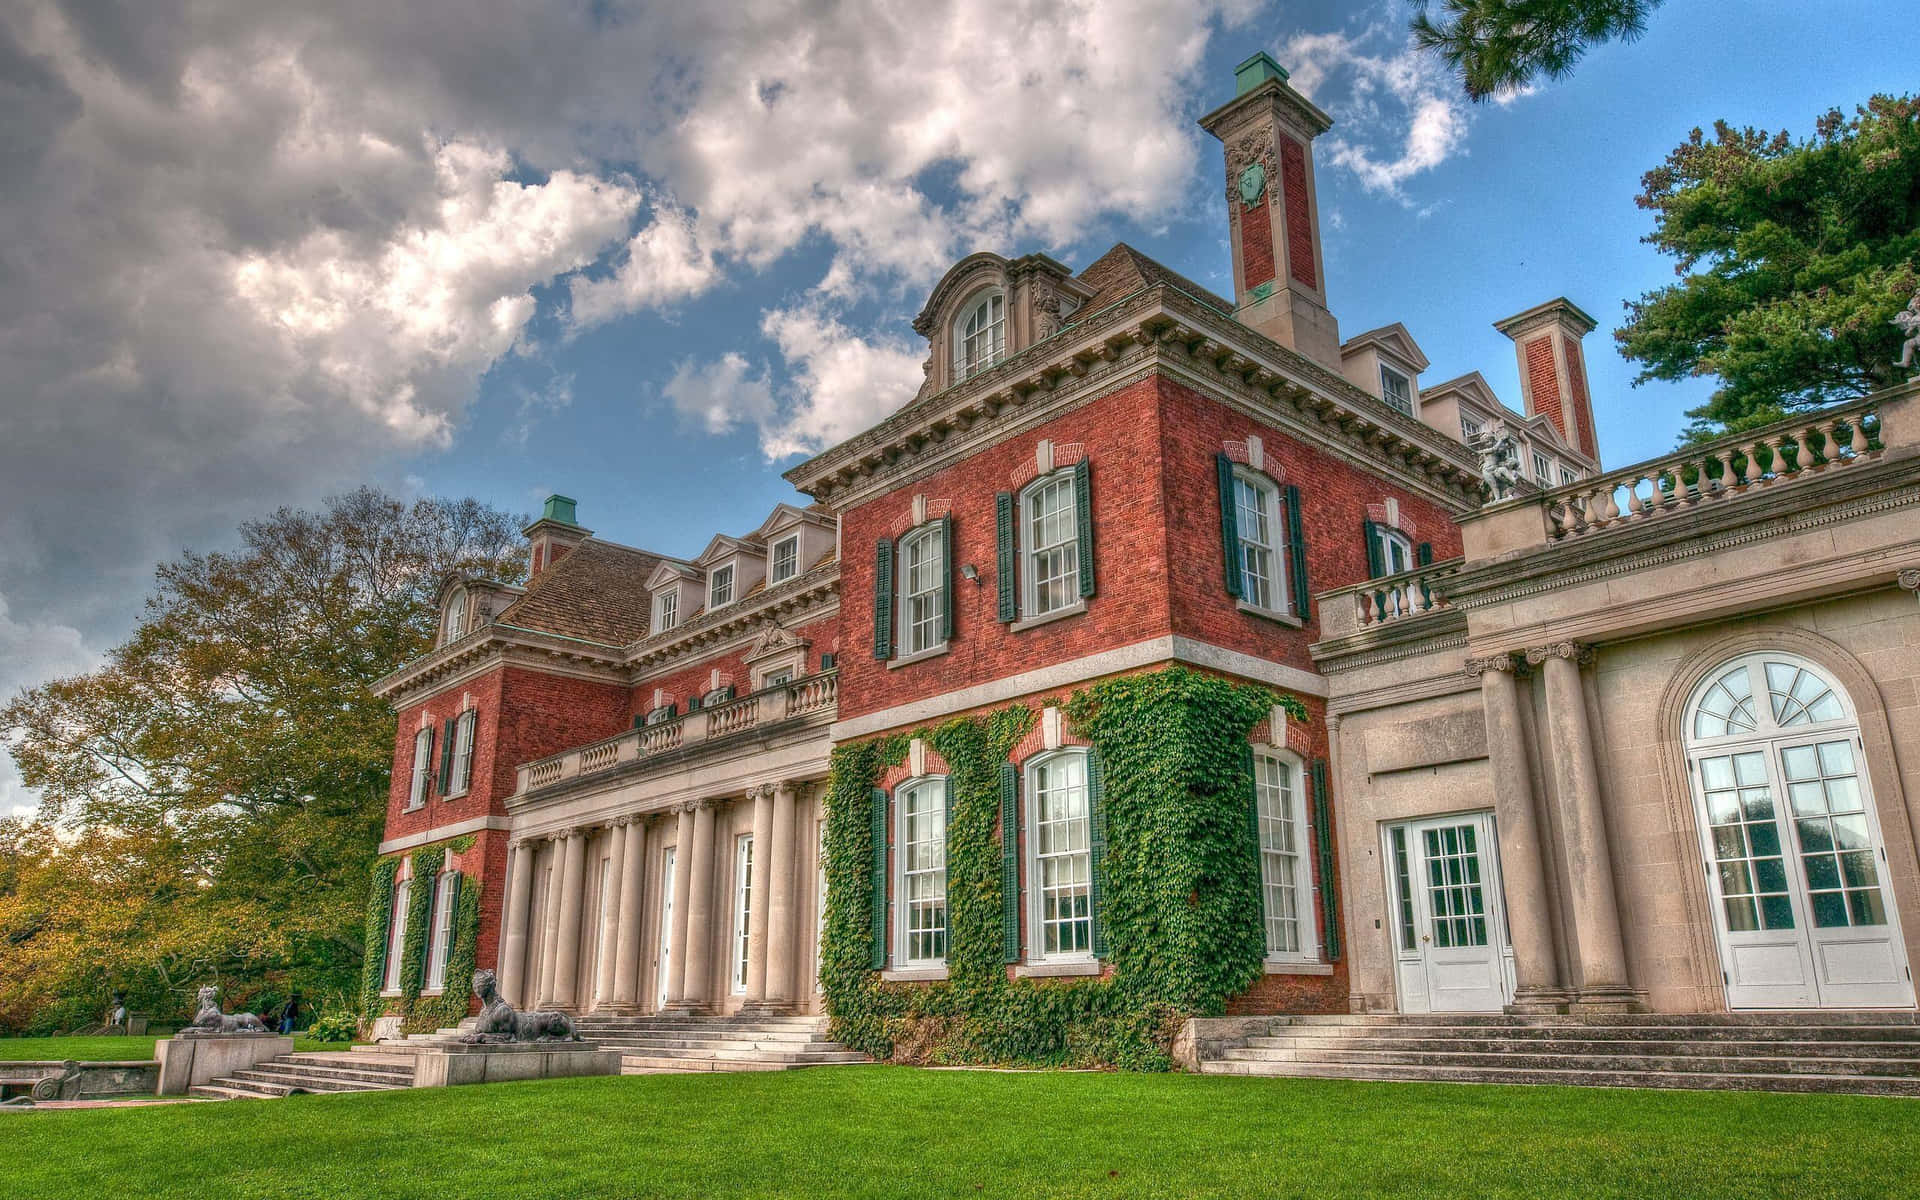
(773, 639)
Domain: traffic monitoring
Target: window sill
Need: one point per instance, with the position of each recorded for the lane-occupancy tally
(1271, 614)
(908, 660)
(1290, 966)
(1048, 970)
(439, 991)
(914, 974)
(390, 994)
(459, 795)
(1072, 610)
(414, 807)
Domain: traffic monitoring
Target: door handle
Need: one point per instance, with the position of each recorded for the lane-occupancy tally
(1426, 937)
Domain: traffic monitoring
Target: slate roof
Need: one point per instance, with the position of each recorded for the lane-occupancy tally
(1122, 271)
(597, 591)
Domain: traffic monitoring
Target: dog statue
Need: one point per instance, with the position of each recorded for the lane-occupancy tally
(210, 1021)
(500, 1023)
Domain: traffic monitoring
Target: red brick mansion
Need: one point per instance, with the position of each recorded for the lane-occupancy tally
(1173, 643)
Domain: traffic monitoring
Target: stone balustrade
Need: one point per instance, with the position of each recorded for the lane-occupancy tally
(813, 696)
(1829, 440)
(1386, 600)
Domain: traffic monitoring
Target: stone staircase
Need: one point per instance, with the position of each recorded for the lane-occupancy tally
(364, 1069)
(656, 1044)
(1866, 1053)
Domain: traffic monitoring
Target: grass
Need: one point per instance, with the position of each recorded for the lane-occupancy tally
(107, 1049)
(895, 1132)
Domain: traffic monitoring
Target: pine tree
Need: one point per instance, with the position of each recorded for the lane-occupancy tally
(1501, 45)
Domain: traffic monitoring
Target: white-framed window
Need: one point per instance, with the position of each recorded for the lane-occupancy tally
(1263, 574)
(742, 909)
(604, 917)
(1469, 428)
(921, 810)
(1051, 548)
(783, 560)
(1568, 475)
(923, 590)
(440, 932)
(454, 627)
(397, 935)
(422, 768)
(980, 335)
(1396, 389)
(720, 586)
(776, 677)
(1395, 550)
(666, 609)
(1286, 877)
(663, 965)
(1060, 857)
(463, 730)
(1543, 469)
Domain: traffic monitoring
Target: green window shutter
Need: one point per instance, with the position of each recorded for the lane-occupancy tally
(1297, 552)
(1323, 853)
(1010, 862)
(1003, 536)
(950, 600)
(883, 599)
(879, 956)
(1097, 849)
(1423, 554)
(1229, 523)
(1083, 509)
(446, 754)
(1375, 567)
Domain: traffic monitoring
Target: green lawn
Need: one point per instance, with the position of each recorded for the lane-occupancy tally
(107, 1049)
(895, 1132)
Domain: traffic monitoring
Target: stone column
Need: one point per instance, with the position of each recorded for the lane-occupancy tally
(1599, 953)
(1516, 812)
(627, 941)
(700, 925)
(550, 923)
(782, 931)
(513, 945)
(682, 900)
(566, 959)
(762, 798)
(609, 939)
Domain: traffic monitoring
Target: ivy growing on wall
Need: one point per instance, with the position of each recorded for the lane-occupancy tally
(1181, 902)
(417, 1012)
(379, 908)
(413, 955)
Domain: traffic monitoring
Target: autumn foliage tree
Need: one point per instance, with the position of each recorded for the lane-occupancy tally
(212, 796)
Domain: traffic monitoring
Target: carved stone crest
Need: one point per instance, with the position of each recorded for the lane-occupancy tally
(772, 640)
(1250, 167)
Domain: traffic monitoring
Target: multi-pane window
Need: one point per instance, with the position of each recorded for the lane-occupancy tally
(742, 908)
(980, 337)
(923, 872)
(1061, 861)
(462, 753)
(666, 610)
(664, 964)
(1567, 476)
(720, 586)
(1403, 877)
(923, 591)
(1052, 545)
(397, 935)
(1469, 428)
(422, 768)
(1285, 885)
(784, 563)
(1257, 513)
(1542, 469)
(1394, 548)
(440, 933)
(1836, 845)
(1743, 827)
(456, 622)
(776, 678)
(1456, 895)
(1396, 389)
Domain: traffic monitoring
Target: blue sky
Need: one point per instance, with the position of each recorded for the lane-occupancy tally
(646, 254)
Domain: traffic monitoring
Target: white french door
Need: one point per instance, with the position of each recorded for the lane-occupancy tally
(1449, 919)
(1797, 872)
(666, 927)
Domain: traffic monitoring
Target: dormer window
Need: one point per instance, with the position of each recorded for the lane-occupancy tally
(980, 335)
(720, 586)
(784, 560)
(666, 610)
(454, 626)
(1396, 389)
(1469, 428)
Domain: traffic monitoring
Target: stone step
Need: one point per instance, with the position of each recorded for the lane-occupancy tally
(396, 1066)
(645, 1042)
(638, 1064)
(839, 1054)
(308, 1082)
(1672, 1064)
(1890, 1017)
(756, 1028)
(287, 1070)
(219, 1091)
(1887, 1034)
(1853, 1084)
(1487, 1042)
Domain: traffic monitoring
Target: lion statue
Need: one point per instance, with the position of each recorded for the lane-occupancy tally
(210, 1020)
(500, 1023)
(1908, 321)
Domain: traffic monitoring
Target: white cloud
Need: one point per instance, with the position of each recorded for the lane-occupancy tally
(721, 395)
(842, 382)
(661, 265)
(30, 653)
(536, 404)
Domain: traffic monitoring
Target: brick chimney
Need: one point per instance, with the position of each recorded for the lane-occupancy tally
(556, 532)
(1553, 370)
(1273, 215)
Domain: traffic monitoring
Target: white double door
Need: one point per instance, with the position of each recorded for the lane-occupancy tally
(1451, 949)
(1797, 871)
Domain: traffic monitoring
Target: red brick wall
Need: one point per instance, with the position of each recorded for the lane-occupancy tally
(684, 682)
(1293, 172)
(1583, 436)
(1545, 384)
(1256, 242)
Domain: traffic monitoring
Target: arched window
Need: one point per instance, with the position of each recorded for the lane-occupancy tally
(980, 335)
(454, 625)
(921, 810)
(1263, 576)
(1390, 551)
(1060, 856)
(923, 590)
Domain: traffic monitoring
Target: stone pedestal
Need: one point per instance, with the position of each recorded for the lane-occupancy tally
(187, 1062)
(451, 1064)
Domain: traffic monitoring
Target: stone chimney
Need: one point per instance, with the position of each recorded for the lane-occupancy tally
(1273, 213)
(1553, 370)
(556, 532)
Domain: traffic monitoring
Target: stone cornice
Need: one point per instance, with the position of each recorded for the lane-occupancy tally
(1408, 637)
(1157, 328)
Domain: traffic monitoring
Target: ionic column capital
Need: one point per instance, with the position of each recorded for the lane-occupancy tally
(1909, 579)
(1476, 667)
(760, 791)
(1575, 652)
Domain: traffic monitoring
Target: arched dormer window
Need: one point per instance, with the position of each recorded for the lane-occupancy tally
(453, 625)
(980, 333)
